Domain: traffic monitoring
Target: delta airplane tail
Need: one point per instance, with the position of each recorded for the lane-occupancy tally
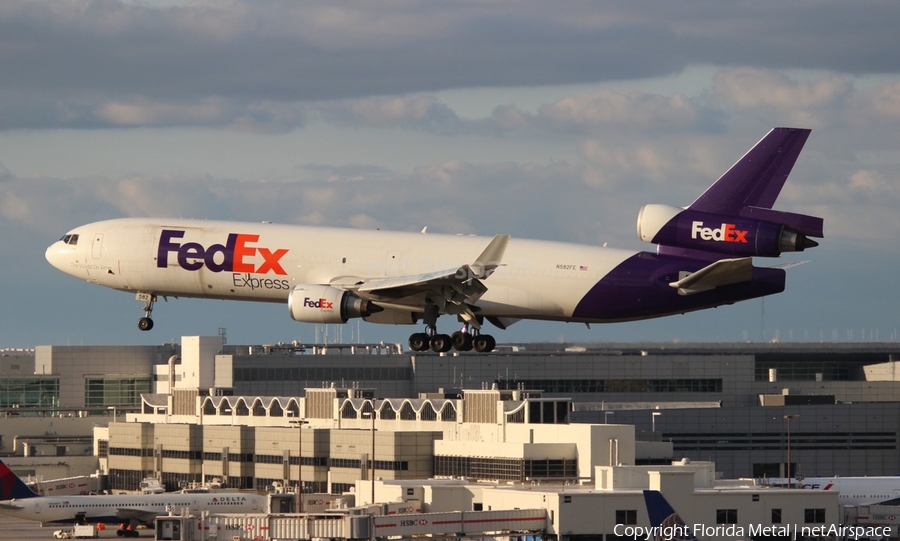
(665, 523)
(13, 488)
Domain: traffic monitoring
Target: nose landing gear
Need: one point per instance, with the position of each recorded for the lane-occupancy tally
(145, 323)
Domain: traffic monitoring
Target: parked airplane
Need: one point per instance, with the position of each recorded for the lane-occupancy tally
(703, 260)
(19, 501)
(854, 491)
(665, 523)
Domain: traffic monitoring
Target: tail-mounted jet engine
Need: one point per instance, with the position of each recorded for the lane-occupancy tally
(755, 232)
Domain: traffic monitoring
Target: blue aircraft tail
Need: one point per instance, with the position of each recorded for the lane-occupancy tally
(11, 487)
(667, 525)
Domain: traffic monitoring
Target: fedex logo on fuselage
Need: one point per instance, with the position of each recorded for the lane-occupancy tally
(236, 255)
(726, 233)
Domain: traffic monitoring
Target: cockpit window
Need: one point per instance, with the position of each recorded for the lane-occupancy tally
(70, 239)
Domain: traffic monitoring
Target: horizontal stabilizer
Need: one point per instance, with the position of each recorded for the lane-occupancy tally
(791, 264)
(721, 273)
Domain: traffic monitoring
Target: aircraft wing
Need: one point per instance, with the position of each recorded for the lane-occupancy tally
(132, 513)
(719, 273)
(450, 289)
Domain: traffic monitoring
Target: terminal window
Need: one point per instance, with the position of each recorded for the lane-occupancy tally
(20, 392)
(115, 391)
(726, 516)
(626, 516)
(814, 516)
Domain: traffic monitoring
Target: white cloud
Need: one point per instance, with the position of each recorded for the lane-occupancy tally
(419, 112)
(803, 103)
(632, 111)
(872, 185)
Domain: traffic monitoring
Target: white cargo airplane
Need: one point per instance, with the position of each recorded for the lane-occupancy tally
(882, 490)
(703, 259)
(19, 501)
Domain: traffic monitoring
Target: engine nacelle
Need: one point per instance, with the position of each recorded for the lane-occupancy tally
(314, 303)
(738, 236)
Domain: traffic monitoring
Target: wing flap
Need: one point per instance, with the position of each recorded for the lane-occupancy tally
(451, 290)
(466, 278)
(720, 273)
(380, 285)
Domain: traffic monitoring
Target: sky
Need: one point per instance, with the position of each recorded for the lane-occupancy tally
(548, 120)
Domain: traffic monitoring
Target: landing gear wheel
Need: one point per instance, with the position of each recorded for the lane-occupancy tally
(483, 343)
(419, 342)
(145, 324)
(462, 341)
(441, 343)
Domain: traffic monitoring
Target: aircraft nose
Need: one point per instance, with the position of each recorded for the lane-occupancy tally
(56, 255)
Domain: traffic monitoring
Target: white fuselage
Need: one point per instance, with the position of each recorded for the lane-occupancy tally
(123, 508)
(263, 262)
(853, 490)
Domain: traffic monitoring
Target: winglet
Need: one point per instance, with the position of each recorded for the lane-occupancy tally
(491, 257)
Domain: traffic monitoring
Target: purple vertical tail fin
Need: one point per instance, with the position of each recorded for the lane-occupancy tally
(734, 216)
(757, 178)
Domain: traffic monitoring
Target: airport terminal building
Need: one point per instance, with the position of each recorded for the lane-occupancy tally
(732, 404)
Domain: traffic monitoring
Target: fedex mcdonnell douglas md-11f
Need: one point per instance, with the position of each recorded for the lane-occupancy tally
(703, 260)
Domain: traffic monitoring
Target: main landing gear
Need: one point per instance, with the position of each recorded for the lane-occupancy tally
(125, 530)
(145, 323)
(461, 340)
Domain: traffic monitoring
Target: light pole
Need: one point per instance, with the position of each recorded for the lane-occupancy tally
(653, 417)
(299, 423)
(606, 415)
(789, 417)
(372, 476)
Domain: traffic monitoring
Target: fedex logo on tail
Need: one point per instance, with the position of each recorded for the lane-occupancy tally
(238, 254)
(726, 233)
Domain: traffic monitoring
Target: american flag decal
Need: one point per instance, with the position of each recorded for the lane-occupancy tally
(582, 267)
